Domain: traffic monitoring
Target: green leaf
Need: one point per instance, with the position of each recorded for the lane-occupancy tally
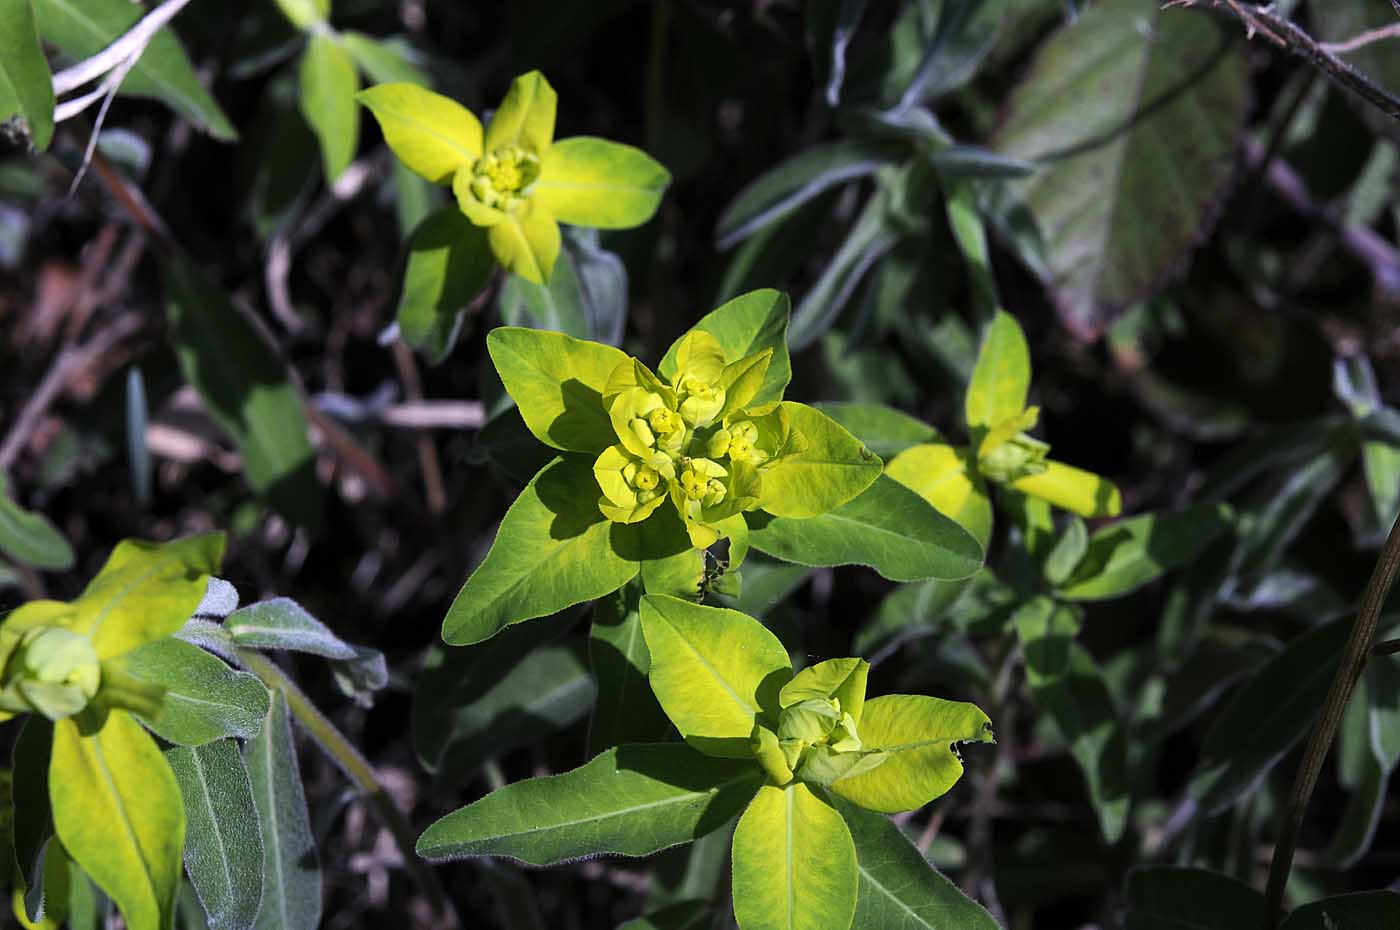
(548, 690)
(118, 813)
(1135, 112)
(449, 263)
(291, 869)
(1127, 555)
(433, 135)
(553, 550)
(884, 430)
(1073, 489)
(82, 28)
(715, 672)
(1067, 552)
(526, 115)
(245, 388)
(557, 381)
(831, 468)
(947, 478)
(586, 296)
(899, 890)
(329, 83)
(305, 14)
(386, 61)
(964, 36)
(794, 863)
(282, 623)
(745, 326)
(28, 537)
(630, 801)
(889, 528)
(1267, 717)
(918, 735)
(525, 241)
(33, 818)
(144, 592)
(1362, 909)
(26, 86)
(625, 711)
(1001, 379)
(588, 181)
(205, 700)
(1070, 688)
(795, 181)
(223, 847)
(1171, 897)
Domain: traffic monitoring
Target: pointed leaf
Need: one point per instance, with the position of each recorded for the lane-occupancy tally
(832, 467)
(626, 710)
(118, 813)
(33, 818)
(1001, 379)
(1073, 489)
(291, 869)
(794, 863)
(899, 890)
(558, 382)
(884, 430)
(631, 801)
(526, 115)
(29, 538)
(918, 735)
(889, 528)
(329, 82)
(588, 181)
(223, 847)
(715, 671)
(553, 550)
(282, 623)
(205, 700)
(433, 135)
(449, 263)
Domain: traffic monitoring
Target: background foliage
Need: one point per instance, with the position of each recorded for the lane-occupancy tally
(209, 327)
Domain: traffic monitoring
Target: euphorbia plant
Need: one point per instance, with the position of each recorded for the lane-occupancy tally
(1000, 450)
(513, 182)
(653, 467)
(116, 805)
(798, 754)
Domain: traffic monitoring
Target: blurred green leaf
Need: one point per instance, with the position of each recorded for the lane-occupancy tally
(246, 390)
(1134, 112)
(1167, 897)
(26, 86)
(29, 538)
(1128, 554)
(82, 29)
(1363, 909)
(329, 83)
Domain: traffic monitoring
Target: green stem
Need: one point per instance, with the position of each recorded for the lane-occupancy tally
(1349, 670)
(358, 769)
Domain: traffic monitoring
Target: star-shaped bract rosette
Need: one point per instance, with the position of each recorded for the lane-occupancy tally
(512, 179)
(654, 466)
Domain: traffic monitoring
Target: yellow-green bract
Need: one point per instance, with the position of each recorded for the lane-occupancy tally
(512, 178)
(797, 754)
(953, 478)
(117, 808)
(654, 466)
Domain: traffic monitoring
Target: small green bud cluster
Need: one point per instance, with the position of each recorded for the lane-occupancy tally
(1007, 453)
(52, 671)
(690, 440)
(502, 178)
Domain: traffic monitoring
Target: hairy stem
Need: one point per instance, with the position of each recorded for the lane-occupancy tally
(358, 769)
(1349, 671)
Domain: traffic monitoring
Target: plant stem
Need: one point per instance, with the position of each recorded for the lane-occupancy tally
(358, 769)
(1349, 670)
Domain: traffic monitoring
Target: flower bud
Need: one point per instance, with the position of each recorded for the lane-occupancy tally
(55, 671)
